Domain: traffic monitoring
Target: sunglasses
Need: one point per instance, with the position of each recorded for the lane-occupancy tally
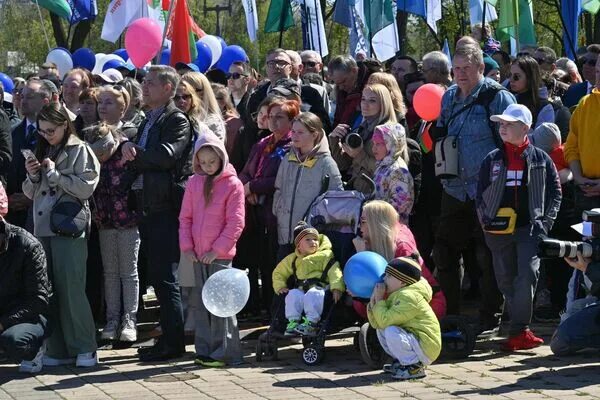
(309, 64)
(235, 76)
(185, 97)
(277, 63)
(515, 77)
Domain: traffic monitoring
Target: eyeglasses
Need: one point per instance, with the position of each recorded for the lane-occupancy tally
(185, 97)
(309, 64)
(235, 76)
(277, 63)
(48, 132)
(515, 77)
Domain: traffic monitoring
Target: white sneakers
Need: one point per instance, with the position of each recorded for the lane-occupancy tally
(110, 330)
(34, 366)
(87, 360)
(128, 330)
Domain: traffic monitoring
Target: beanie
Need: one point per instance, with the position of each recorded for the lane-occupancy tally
(490, 64)
(405, 269)
(302, 230)
(546, 137)
(3, 202)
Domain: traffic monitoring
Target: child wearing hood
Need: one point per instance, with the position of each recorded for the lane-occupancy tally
(210, 223)
(393, 181)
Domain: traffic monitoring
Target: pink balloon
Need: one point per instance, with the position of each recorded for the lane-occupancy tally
(143, 40)
(427, 101)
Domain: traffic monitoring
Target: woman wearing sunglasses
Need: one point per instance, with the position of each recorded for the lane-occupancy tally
(209, 111)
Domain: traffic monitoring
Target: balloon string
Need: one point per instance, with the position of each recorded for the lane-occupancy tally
(43, 26)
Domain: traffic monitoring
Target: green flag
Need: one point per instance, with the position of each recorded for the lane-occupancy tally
(280, 17)
(492, 2)
(526, 27)
(58, 7)
(378, 15)
(508, 19)
(591, 6)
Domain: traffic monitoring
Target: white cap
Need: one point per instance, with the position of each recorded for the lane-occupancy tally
(514, 113)
(111, 75)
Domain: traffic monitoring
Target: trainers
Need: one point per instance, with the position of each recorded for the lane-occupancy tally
(391, 368)
(110, 330)
(87, 359)
(209, 362)
(55, 362)
(413, 371)
(290, 329)
(128, 329)
(522, 341)
(34, 366)
(307, 328)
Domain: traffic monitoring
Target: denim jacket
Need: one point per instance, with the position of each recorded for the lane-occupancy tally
(475, 139)
(543, 188)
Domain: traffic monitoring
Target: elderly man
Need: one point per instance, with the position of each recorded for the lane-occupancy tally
(466, 108)
(578, 91)
(311, 62)
(436, 68)
(161, 157)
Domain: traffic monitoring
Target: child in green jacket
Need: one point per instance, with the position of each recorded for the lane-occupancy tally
(407, 328)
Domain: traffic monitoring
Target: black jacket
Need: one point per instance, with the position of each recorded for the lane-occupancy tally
(5, 145)
(166, 162)
(24, 286)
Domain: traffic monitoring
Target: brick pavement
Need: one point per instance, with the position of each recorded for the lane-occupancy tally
(534, 374)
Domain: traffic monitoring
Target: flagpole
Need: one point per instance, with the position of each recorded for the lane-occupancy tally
(157, 58)
(483, 30)
(43, 26)
(282, 22)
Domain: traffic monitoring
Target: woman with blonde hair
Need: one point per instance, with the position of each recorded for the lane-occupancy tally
(188, 101)
(351, 146)
(113, 102)
(390, 82)
(210, 113)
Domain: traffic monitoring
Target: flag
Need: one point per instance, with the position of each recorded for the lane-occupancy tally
(58, 7)
(251, 18)
(183, 43)
(279, 17)
(476, 12)
(119, 14)
(378, 15)
(425, 140)
(343, 12)
(526, 27)
(446, 51)
(591, 6)
(313, 27)
(385, 43)
(358, 41)
(412, 6)
(434, 13)
(570, 11)
(509, 18)
(82, 10)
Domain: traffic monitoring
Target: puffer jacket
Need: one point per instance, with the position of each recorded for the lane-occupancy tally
(409, 309)
(217, 225)
(24, 287)
(393, 182)
(309, 267)
(298, 183)
(76, 174)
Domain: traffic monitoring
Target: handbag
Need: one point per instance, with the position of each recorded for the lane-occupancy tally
(503, 223)
(69, 217)
(446, 157)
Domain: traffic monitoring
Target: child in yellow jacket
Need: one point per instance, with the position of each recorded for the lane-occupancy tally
(315, 270)
(407, 327)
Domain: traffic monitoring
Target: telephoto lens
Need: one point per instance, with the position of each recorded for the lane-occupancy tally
(554, 248)
(353, 140)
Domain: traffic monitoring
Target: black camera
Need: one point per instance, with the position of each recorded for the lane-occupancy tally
(554, 248)
(353, 140)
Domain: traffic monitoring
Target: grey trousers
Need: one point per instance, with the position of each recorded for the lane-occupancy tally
(218, 338)
(120, 248)
(516, 267)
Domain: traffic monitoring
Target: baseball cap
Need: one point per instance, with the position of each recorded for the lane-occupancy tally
(514, 113)
(189, 67)
(111, 75)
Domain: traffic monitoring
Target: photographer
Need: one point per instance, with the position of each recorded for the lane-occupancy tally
(582, 329)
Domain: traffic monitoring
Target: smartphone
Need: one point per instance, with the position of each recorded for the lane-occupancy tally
(27, 154)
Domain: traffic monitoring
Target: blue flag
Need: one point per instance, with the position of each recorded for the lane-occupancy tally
(83, 9)
(343, 13)
(571, 11)
(413, 6)
(446, 51)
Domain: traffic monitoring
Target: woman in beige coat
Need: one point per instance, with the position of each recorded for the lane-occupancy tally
(63, 168)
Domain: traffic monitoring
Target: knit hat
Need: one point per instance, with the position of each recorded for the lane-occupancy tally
(302, 230)
(546, 137)
(490, 64)
(405, 269)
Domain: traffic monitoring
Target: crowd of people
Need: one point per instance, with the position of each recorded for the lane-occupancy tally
(126, 180)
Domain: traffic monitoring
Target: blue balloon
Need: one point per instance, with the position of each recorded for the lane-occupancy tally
(165, 57)
(84, 58)
(121, 53)
(362, 271)
(7, 83)
(204, 58)
(113, 64)
(231, 54)
(223, 43)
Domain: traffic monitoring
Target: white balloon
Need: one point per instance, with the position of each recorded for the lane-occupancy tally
(97, 67)
(62, 59)
(215, 47)
(106, 58)
(226, 292)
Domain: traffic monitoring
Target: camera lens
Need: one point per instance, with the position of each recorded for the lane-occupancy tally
(353, 140)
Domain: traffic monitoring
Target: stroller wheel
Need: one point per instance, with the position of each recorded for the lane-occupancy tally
(313, 355)
(370, 350)
(458, 337)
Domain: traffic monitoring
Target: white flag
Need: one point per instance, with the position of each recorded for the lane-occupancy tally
(385, 42)
(434, 13)
(119, 15)
(251, 18)
(317, 39)
(476, 12)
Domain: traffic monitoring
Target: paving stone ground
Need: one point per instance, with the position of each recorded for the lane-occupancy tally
(488, 372)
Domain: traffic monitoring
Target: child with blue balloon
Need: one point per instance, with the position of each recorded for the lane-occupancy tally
(407, 327)
(314, 269)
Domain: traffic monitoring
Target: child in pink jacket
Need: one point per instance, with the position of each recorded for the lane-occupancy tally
(210, 223)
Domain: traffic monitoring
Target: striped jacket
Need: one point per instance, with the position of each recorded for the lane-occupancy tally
(543, 188)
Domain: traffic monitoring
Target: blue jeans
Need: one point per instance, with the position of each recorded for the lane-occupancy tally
(22, 341)
(577, 332)
(160, 234)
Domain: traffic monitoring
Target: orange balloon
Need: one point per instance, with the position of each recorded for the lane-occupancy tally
(427, 101)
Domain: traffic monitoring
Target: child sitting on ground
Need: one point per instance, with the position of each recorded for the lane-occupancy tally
(314, 268)
(407, 327)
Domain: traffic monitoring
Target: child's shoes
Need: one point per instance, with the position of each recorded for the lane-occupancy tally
(308, 328)
(208, 362)
(406, 372)
(291, 328)
(391, 368)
